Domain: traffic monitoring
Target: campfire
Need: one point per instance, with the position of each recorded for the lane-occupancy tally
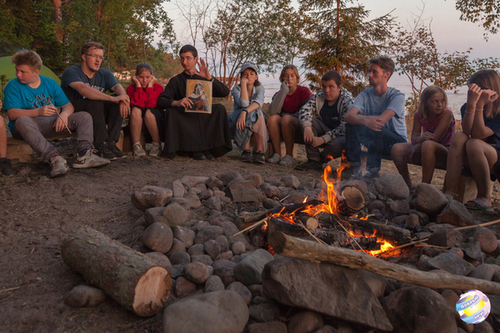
(333, 219)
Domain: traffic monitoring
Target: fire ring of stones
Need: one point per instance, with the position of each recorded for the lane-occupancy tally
(232, 254)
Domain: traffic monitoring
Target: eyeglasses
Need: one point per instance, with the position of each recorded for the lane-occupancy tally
(95, 56)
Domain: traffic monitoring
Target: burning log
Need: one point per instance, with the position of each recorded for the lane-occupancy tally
(127, 276)
(293, 247)
(310, 222)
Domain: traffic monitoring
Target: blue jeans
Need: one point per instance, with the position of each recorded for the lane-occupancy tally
(379, 143)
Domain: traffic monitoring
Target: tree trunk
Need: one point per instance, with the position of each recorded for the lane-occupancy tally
(127, 276)
(292, 247)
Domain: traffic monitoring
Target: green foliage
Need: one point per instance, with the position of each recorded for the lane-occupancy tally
(485, 12)
(343, 39)
(264, 32)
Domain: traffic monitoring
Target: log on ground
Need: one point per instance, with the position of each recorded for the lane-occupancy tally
(129, 277)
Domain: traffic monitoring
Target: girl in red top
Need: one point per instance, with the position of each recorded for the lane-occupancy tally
(283, 114)
(143, 93)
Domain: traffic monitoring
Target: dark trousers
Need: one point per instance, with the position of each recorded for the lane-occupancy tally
(103, 113)
(379, 143)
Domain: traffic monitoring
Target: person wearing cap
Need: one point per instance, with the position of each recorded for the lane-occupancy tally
(200, 135)
(247, 120)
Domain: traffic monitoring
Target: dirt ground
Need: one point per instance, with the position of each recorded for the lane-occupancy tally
(38, 213)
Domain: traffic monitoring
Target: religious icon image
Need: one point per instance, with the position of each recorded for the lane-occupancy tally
(200, 93)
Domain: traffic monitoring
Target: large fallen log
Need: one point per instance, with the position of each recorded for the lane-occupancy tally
(127, 276)
(293, 247)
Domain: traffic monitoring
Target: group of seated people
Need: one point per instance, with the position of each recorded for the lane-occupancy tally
(331, 119)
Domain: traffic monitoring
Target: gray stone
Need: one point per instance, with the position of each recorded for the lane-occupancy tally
(183, 286)
(193, 180)
(305, 322)
(214, 312)
(270, 203)
(178, 189)
(177, 246)
(206, 194)
(311, 286)
(209, 232)
(175, 215)
(84, 296)
(176, 270)
(203, 258)
(376, 204)
(185, 235)
(223, 243)
(400, 220)
(214, 283)
(270, 191)
(151, 196)
(429, 199)
(158, 237)
(226, 255)
(214, 182)
(484, 272)
(241, 290)
(255, 178)
(194, 190)
(307, 186)
(220, 194)
(471, 250)
(423, 217)
(483, 327)
(327, 329)
(451, 263)
(413, 221)
(457, 251)
(212, 248)
(256, 290)
(271, 327)
(229, 230)
(196, 249)
(178, 258)
(376, 282)
(290, 181)
(154, 214)
(249, 270)
(228, 176)
(446, 238)
(160, 259)
(244, 191)
(238, 248)
(487, 239)
(192, 201)
(179, 200)
(456, 214)
(295, 197)
(196, 272)
(409, 311)
(396, 208)
(213, 203)
(263, 310)
(225, 270)
(392, 185)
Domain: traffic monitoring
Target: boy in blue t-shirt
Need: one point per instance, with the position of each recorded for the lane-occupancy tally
(376, 119)
(31, 101)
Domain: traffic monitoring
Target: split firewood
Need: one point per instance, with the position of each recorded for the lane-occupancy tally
(293, 247)
(129, 277)
(309, 222)
(353, 198)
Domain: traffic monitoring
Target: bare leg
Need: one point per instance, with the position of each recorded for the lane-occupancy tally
(455, 162)
(431, 152)
(135, 124)
(150, 121)
(274, 126)
(289, 128)
(400, 153)
(481, 158)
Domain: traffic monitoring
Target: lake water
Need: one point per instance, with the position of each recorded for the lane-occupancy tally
(455, 101)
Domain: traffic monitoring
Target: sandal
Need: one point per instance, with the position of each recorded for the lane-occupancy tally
(477, 205)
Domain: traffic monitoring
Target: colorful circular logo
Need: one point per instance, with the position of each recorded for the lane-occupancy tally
(473, 307)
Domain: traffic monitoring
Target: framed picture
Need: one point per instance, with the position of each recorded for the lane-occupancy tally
(200, 93)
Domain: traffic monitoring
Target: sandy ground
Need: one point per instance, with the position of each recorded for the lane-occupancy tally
(38, 213)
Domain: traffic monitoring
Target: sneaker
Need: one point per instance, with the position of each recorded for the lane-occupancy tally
(89, 160)
(274, 159)
(287, 160)
(258, 157)
(114, 149)
(155, 149)
(199, 156)
(310, 165)
(246, 156)
(103, 151)
(138, 151)
(209, 156)
(59, 166)
(6, 167)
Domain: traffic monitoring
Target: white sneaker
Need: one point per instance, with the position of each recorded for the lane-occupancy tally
(138, 150)
(287, 160)
(274, 159)
(59, 166)
(89, 160)
(155, 150)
